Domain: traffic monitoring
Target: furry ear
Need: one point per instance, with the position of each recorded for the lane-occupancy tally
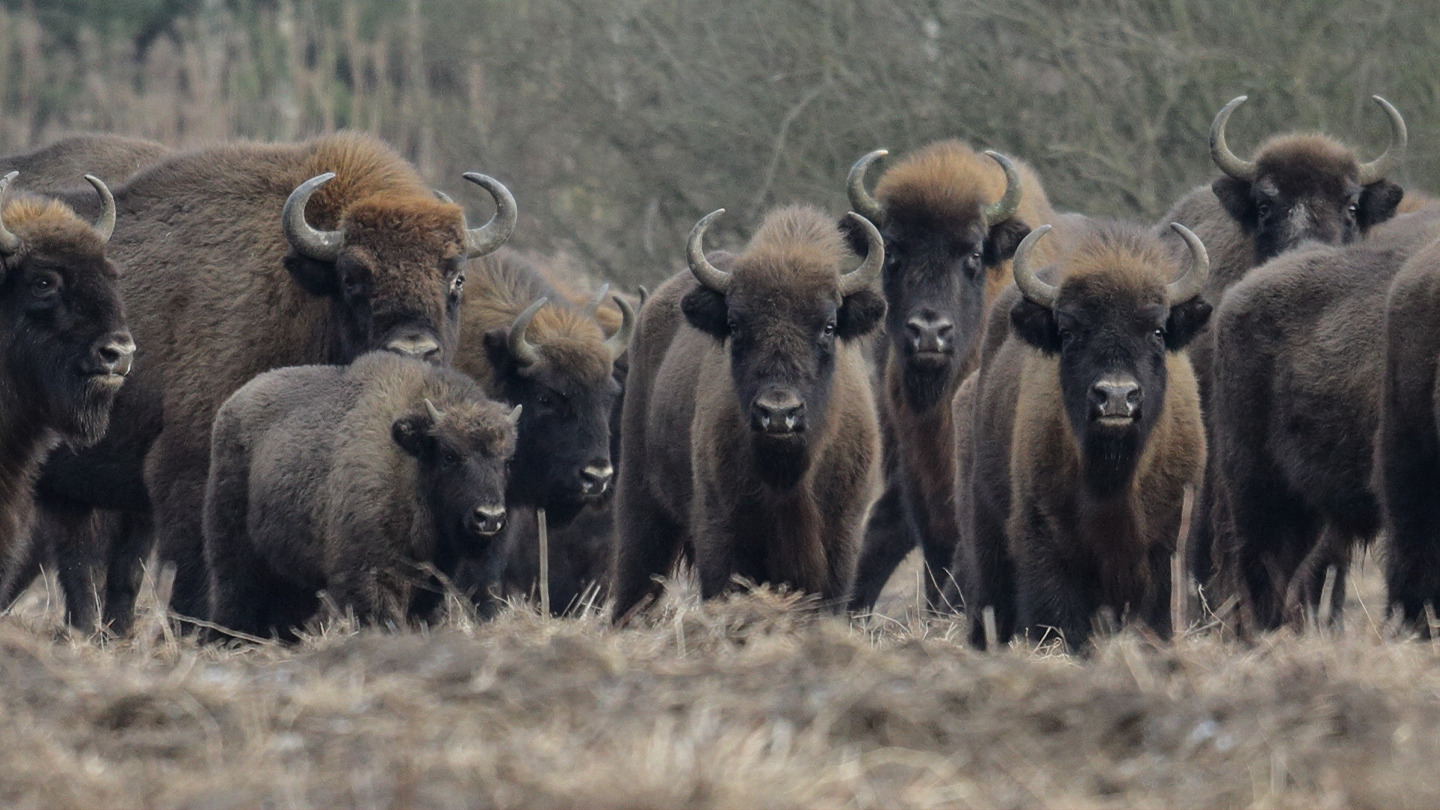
(855, 238)
(1186, 320)
(1378, 202)
(859, 314)
(705, 309)
(314, 277)
(1236, 199)
(1035, 325)
(412, 432)
(1002, 240)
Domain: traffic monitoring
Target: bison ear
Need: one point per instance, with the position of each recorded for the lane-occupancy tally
(855, 236)
(859, 314)
(315, 277)
(705, 309)
(1378, 202)
(1186, 320)
(412, 432)
(1236, 199)
(1003, 239)
(1036, 325)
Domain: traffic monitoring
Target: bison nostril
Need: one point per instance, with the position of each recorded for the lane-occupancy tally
(775, 412)
(117, 354)
(595, 477)
(1116, 398)
(929, 333)
(489, 519)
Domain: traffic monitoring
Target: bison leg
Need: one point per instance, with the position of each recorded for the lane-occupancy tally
(23, 560)
(992, 581)
(648, 543)
(78, 535)
(175, 474)
(129, 546)
(1050, 601)
(888, 539)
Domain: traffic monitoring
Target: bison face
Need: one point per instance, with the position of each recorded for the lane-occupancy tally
(464, 458)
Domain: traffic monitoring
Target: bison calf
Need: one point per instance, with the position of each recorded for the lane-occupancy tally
(352, 479)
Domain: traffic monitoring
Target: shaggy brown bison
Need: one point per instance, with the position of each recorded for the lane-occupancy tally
(951, 219)
(1086, 431)
(59, 166)
(1299, 370)
(64, 346)
(352, 479)
(257, 256)
(749, 429)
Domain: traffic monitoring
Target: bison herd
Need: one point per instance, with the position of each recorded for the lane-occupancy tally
(295, 372)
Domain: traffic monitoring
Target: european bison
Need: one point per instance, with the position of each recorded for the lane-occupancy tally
(58, 166)
(951, 219)
(352, 479)
(749, 429)
(251, 257)
(1299, 370)
(1086, 431)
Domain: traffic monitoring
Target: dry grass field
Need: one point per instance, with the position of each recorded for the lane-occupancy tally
(751, 702)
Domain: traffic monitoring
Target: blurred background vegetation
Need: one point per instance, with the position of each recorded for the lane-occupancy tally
(618, 122)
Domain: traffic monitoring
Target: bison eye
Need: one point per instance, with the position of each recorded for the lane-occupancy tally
(458, 284)
(450, 458)
(829, 329)
(544, 400)
(1263, 209)
(1159, 333)
(1353, 210)
(44, 286)
(732, 325)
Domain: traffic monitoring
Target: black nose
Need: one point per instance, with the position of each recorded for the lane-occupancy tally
(777, 412)
(488, 519)
(595, 477)
(929, 332)
(418, 345)
(116, 351)
(1115, 399)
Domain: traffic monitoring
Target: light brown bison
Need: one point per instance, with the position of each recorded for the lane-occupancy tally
(59, 166)
(749, 430)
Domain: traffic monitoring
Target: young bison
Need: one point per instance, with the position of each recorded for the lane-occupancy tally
(351, 479)
(1087, 429)
(749, 436)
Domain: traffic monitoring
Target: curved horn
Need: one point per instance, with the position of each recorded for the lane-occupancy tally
(319, 245)
(706, 273)
(643, 293)
(489, 237)
(593, 305)
(442, 196)
(1036, 291)
(1193, 280)
(869, 270)
(433, 411)
(1399, 137)
(514, 416)
(9, 242)
(1220, 153)
(860, 199)
(619, 342)
(521, 349)
(105, 225)
(1009, 202)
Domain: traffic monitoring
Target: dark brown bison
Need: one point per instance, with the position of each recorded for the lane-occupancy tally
(1299, 188)
(257, 256)
(1086, 431)
(59, 166)
(951, 219)
(356, 480)
(749, 430)
(1299, 369)
(64, 344)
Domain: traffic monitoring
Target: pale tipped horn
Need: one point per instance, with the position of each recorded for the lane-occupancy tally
(1009, 202)
(319, 245)
(869, 270)
(522, 349)
(860, 199)
(1192, 281)
(442, 196)
(1378, 168)
(593, 305)
(1036, 291)
(489, 237)
(1225, 160)
(706, 273)
(105, 225)
(514, 415)
(434, 412)
(9, 242)
(643, 293)
(619, 342)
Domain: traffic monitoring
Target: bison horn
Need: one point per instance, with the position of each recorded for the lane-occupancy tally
(593, 305)
(869, 270)
(1220, 153)
(105, 225)
(522, 349)
(442, 196)
(642, 293)
(706, 273)
(1035, 291)
(9, 242)
(1381, 166)
(1193, 280)
(860, 199)
(319, 245)
(433, 411)
(514, 415)
(620, 341)
(489, 237)
(1009, 202)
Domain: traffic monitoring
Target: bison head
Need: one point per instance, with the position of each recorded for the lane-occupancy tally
(1112, 321)
(1305, 187)
(392, 266)
(65, 344)
(557, 362)
(464, 456)
(779, 310)
(941, 238)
